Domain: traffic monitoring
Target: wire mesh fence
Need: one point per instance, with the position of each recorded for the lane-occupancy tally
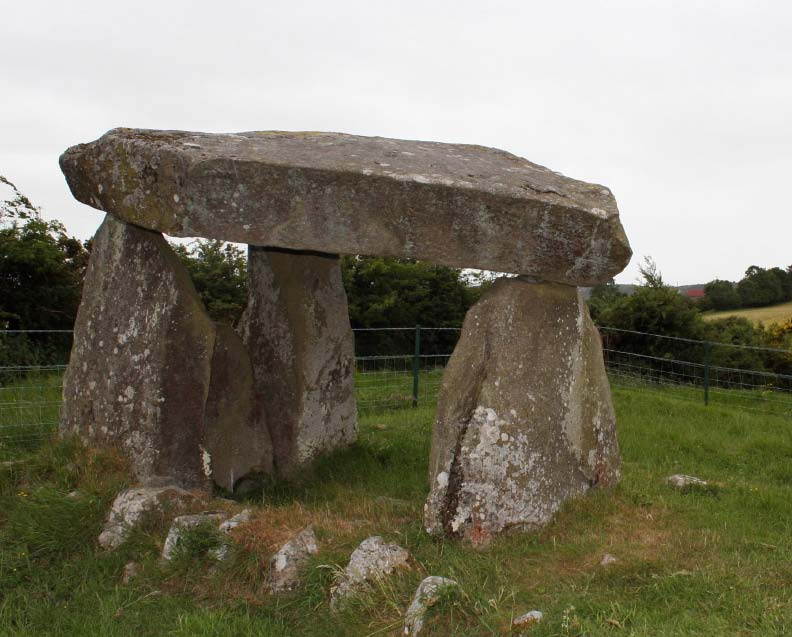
(752, 378)
(401, 368)
(32, 363)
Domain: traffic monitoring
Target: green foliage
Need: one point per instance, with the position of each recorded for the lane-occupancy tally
(219, 272)
(654, 308)
(602, 296)
(389, 292)
(41, 272)
(760, 287)
(737, 331)
(18, 207)
(721, 295)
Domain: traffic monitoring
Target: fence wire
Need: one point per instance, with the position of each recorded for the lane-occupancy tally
(401, 368)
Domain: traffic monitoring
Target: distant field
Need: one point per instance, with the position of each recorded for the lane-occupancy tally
(770, 314)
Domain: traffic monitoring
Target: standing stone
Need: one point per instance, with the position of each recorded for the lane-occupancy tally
(152, 375)
(297, 331)
(139, 371)
(525, 418)
(237, 441)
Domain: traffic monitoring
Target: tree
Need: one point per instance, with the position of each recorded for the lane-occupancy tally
(219, 272)
(602, 296)
(760, 287)
(388, 292)
(721, 295)
(653, 308)
(18, 207)
(41, 273)
(41, 268)
(785, 281)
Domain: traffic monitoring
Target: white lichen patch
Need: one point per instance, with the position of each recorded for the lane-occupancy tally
(206, 462)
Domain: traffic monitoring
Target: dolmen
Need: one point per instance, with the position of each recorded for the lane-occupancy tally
(525, 418)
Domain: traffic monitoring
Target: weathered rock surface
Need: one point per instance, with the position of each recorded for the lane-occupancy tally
(457, 205)
(296, 328)
(184, 522)
(239, 519)
(525, 418)
(141, 369)
(372, 560)
(426, 596)
(129, 507)
(131, 571)
(682, 481)
(528, 619)
(608, 560)
(236, 438)
(291, 558)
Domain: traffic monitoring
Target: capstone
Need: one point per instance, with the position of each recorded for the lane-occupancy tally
(453, 204)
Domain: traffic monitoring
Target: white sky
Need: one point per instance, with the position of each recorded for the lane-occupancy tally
(684, 109)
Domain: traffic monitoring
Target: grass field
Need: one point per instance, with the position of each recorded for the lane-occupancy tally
(715, 561)
(770, 314)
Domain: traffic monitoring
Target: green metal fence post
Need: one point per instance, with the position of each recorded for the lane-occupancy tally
(707, 359)
(416, 370)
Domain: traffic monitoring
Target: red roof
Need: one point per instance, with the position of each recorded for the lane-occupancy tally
(695, 293)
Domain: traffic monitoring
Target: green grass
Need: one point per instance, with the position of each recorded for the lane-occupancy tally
(29, 408)
(771, 314)
(714, 561)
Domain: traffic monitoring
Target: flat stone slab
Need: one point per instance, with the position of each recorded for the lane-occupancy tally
(452, 204)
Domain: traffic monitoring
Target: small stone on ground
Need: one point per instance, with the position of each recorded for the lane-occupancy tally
(286, 564)
(128, 508)
(131, 570)
(608, 559)
(426, 595)
(240, 518)
(528, 619)
(373, 559)
(184, 522)
(681, 481)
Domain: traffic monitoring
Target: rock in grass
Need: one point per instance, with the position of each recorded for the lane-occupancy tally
(184, 522)
(373, 559)
(453, 204)
(528, 619)
(130, 505)
(223, 551)
(286, 564)
(240, 518)
(682, 481)
(608, 559)
(131, 570)
(426, 595)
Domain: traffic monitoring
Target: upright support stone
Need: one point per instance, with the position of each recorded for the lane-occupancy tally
(236, 438)
(525, 418)
(142, 363)
(296, 328)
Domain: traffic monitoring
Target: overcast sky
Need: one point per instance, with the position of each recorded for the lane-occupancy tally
(683, 109)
